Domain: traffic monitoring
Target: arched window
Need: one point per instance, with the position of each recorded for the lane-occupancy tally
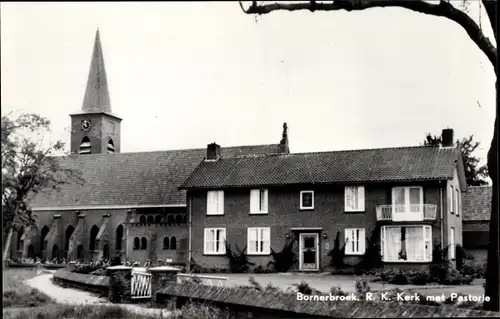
(173, 243)
(166, 245)
(144, 243)
(93, 235)
(69, 232)
(20, 234)
(170, 219)
(79, 252)
(151, 219)
(45, 231)
(85, 147)
(178, 219)
(158, 219)
(142, 219)
(111, 146)
(137, 243)
(105, 252)
(55, 251)
(119, 237)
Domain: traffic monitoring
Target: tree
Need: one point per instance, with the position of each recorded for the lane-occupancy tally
(475, 176)
(28, 167)
(446, 10)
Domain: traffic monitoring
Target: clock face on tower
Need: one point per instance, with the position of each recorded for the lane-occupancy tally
(86, 126)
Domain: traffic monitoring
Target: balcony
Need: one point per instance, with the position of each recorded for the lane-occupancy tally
(415, 212)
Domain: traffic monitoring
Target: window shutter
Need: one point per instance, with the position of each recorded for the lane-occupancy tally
(361, 198)
(348, 241)
(362, 241)
(254, 201)
(266, 232)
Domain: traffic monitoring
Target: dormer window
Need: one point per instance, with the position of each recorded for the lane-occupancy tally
(111, 146)
(85, 147)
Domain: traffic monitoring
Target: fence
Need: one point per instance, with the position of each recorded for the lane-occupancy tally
(202, 279)
(141, 285)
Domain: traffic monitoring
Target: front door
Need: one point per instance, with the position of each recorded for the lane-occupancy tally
(309, 252)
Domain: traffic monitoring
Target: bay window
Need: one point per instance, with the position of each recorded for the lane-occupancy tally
(406, 243)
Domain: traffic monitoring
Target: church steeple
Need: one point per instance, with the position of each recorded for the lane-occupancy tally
(95, 130)
(96, 99)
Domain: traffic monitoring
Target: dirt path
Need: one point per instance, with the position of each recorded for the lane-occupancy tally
(44, 284)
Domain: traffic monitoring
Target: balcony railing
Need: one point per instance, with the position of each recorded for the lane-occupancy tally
(414, 212)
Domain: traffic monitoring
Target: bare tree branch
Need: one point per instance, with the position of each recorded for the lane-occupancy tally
(443, 9)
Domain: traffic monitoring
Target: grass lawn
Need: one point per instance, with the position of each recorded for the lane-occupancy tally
(62, 311)
(17, 294)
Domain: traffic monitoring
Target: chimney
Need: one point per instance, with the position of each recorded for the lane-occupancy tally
(213, 152)
(447, 138)
(284, 140)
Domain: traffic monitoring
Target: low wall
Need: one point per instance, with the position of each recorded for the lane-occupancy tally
(282, 304)
(92, 283)
(46, 266)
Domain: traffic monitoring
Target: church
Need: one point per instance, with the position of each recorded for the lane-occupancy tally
(127, 204)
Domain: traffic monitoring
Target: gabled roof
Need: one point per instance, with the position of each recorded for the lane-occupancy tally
(369, 165)
(476, 203)
(145, 178)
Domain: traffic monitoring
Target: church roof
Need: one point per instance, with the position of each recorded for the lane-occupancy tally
(96, 99)
(144, 178)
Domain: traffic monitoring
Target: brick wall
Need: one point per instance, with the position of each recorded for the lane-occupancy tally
(284, 214)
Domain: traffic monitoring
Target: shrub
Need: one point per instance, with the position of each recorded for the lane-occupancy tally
(199, 311)
(283, 260)
(238, 262)
(443, 273)
(362, 287)
(255, 284)
(337, 291)
(272, 288)
(461, 256)
(304, 288)
(337, 254)
(473, 268)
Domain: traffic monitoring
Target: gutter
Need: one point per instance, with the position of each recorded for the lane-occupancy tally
(190, 226)
(441, 215)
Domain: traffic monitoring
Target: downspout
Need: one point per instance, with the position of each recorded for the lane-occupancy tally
(441, 215)
(189, 233)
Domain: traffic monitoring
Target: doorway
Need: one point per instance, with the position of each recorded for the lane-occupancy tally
(309, 252)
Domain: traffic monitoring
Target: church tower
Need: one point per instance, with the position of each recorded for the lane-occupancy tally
(95, 130)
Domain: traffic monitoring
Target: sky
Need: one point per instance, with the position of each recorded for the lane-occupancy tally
(182, 75)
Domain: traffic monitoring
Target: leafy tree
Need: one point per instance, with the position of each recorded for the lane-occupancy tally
(28, 167)
(447, 10)
(474, 175)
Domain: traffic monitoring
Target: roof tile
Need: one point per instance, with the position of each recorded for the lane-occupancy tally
(476, 203)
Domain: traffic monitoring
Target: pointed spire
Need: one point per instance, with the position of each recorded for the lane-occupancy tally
(284, 141)
(96, 97)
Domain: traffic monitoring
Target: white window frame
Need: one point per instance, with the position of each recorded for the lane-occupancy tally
(357, 235)
(457, 201)
(302, 207)
(452, 199)
(359, 200)
(452, 244)
(222, 246)
(256, 200)
(216, 207)
(427, 237)
(266, 247)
